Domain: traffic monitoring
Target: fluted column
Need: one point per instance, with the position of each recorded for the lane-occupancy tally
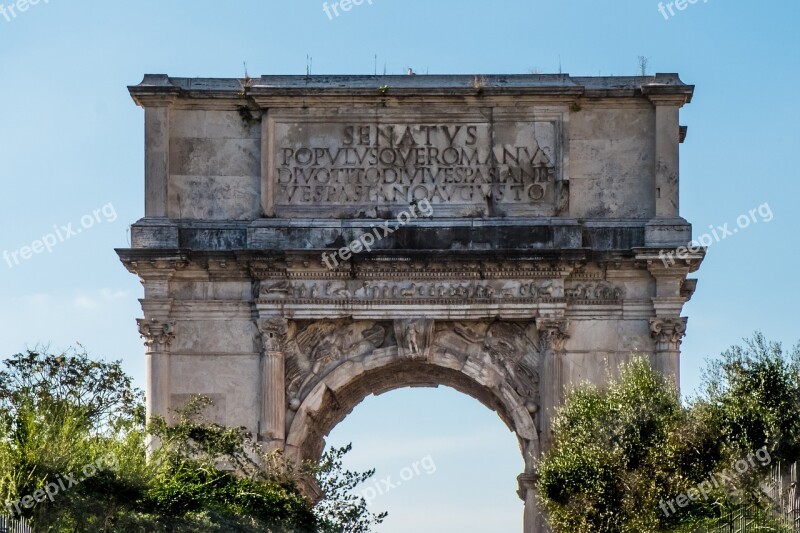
(272, 426)
(158, 335)
(554, 336)
(668, 334)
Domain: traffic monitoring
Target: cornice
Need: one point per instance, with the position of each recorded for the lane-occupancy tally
(395, 91)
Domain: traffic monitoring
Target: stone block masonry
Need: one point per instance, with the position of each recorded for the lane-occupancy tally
(546, 203)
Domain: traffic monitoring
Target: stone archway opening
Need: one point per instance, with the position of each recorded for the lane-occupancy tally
(443, 461)
(336, 395)
(326, 407)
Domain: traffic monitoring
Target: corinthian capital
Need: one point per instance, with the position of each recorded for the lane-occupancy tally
(273, 333)
(156, 332)
(554, 332)
(668, 332)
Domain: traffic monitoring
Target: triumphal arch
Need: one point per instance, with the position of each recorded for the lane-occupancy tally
(309, 241)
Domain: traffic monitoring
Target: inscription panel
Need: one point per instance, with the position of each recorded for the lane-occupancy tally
(354, 166)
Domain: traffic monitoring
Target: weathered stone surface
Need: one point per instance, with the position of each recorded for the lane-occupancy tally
(310, 241)
(209, 197)
(207, 337)
(154, 235)
(211, 124)
(227, 379)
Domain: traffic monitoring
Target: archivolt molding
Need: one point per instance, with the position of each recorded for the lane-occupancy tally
(332, 365)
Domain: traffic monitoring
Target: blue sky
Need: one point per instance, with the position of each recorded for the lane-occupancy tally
(71, 143)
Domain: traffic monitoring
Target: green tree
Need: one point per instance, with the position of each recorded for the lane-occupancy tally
(342, 511)
(60, 413)
(607, 444)
(754, 393)
(623, 454)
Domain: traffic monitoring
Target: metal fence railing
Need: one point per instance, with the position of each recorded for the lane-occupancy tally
(9, 525)
(782, 489)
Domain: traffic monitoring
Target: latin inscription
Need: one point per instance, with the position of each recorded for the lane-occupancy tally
(398, 164)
